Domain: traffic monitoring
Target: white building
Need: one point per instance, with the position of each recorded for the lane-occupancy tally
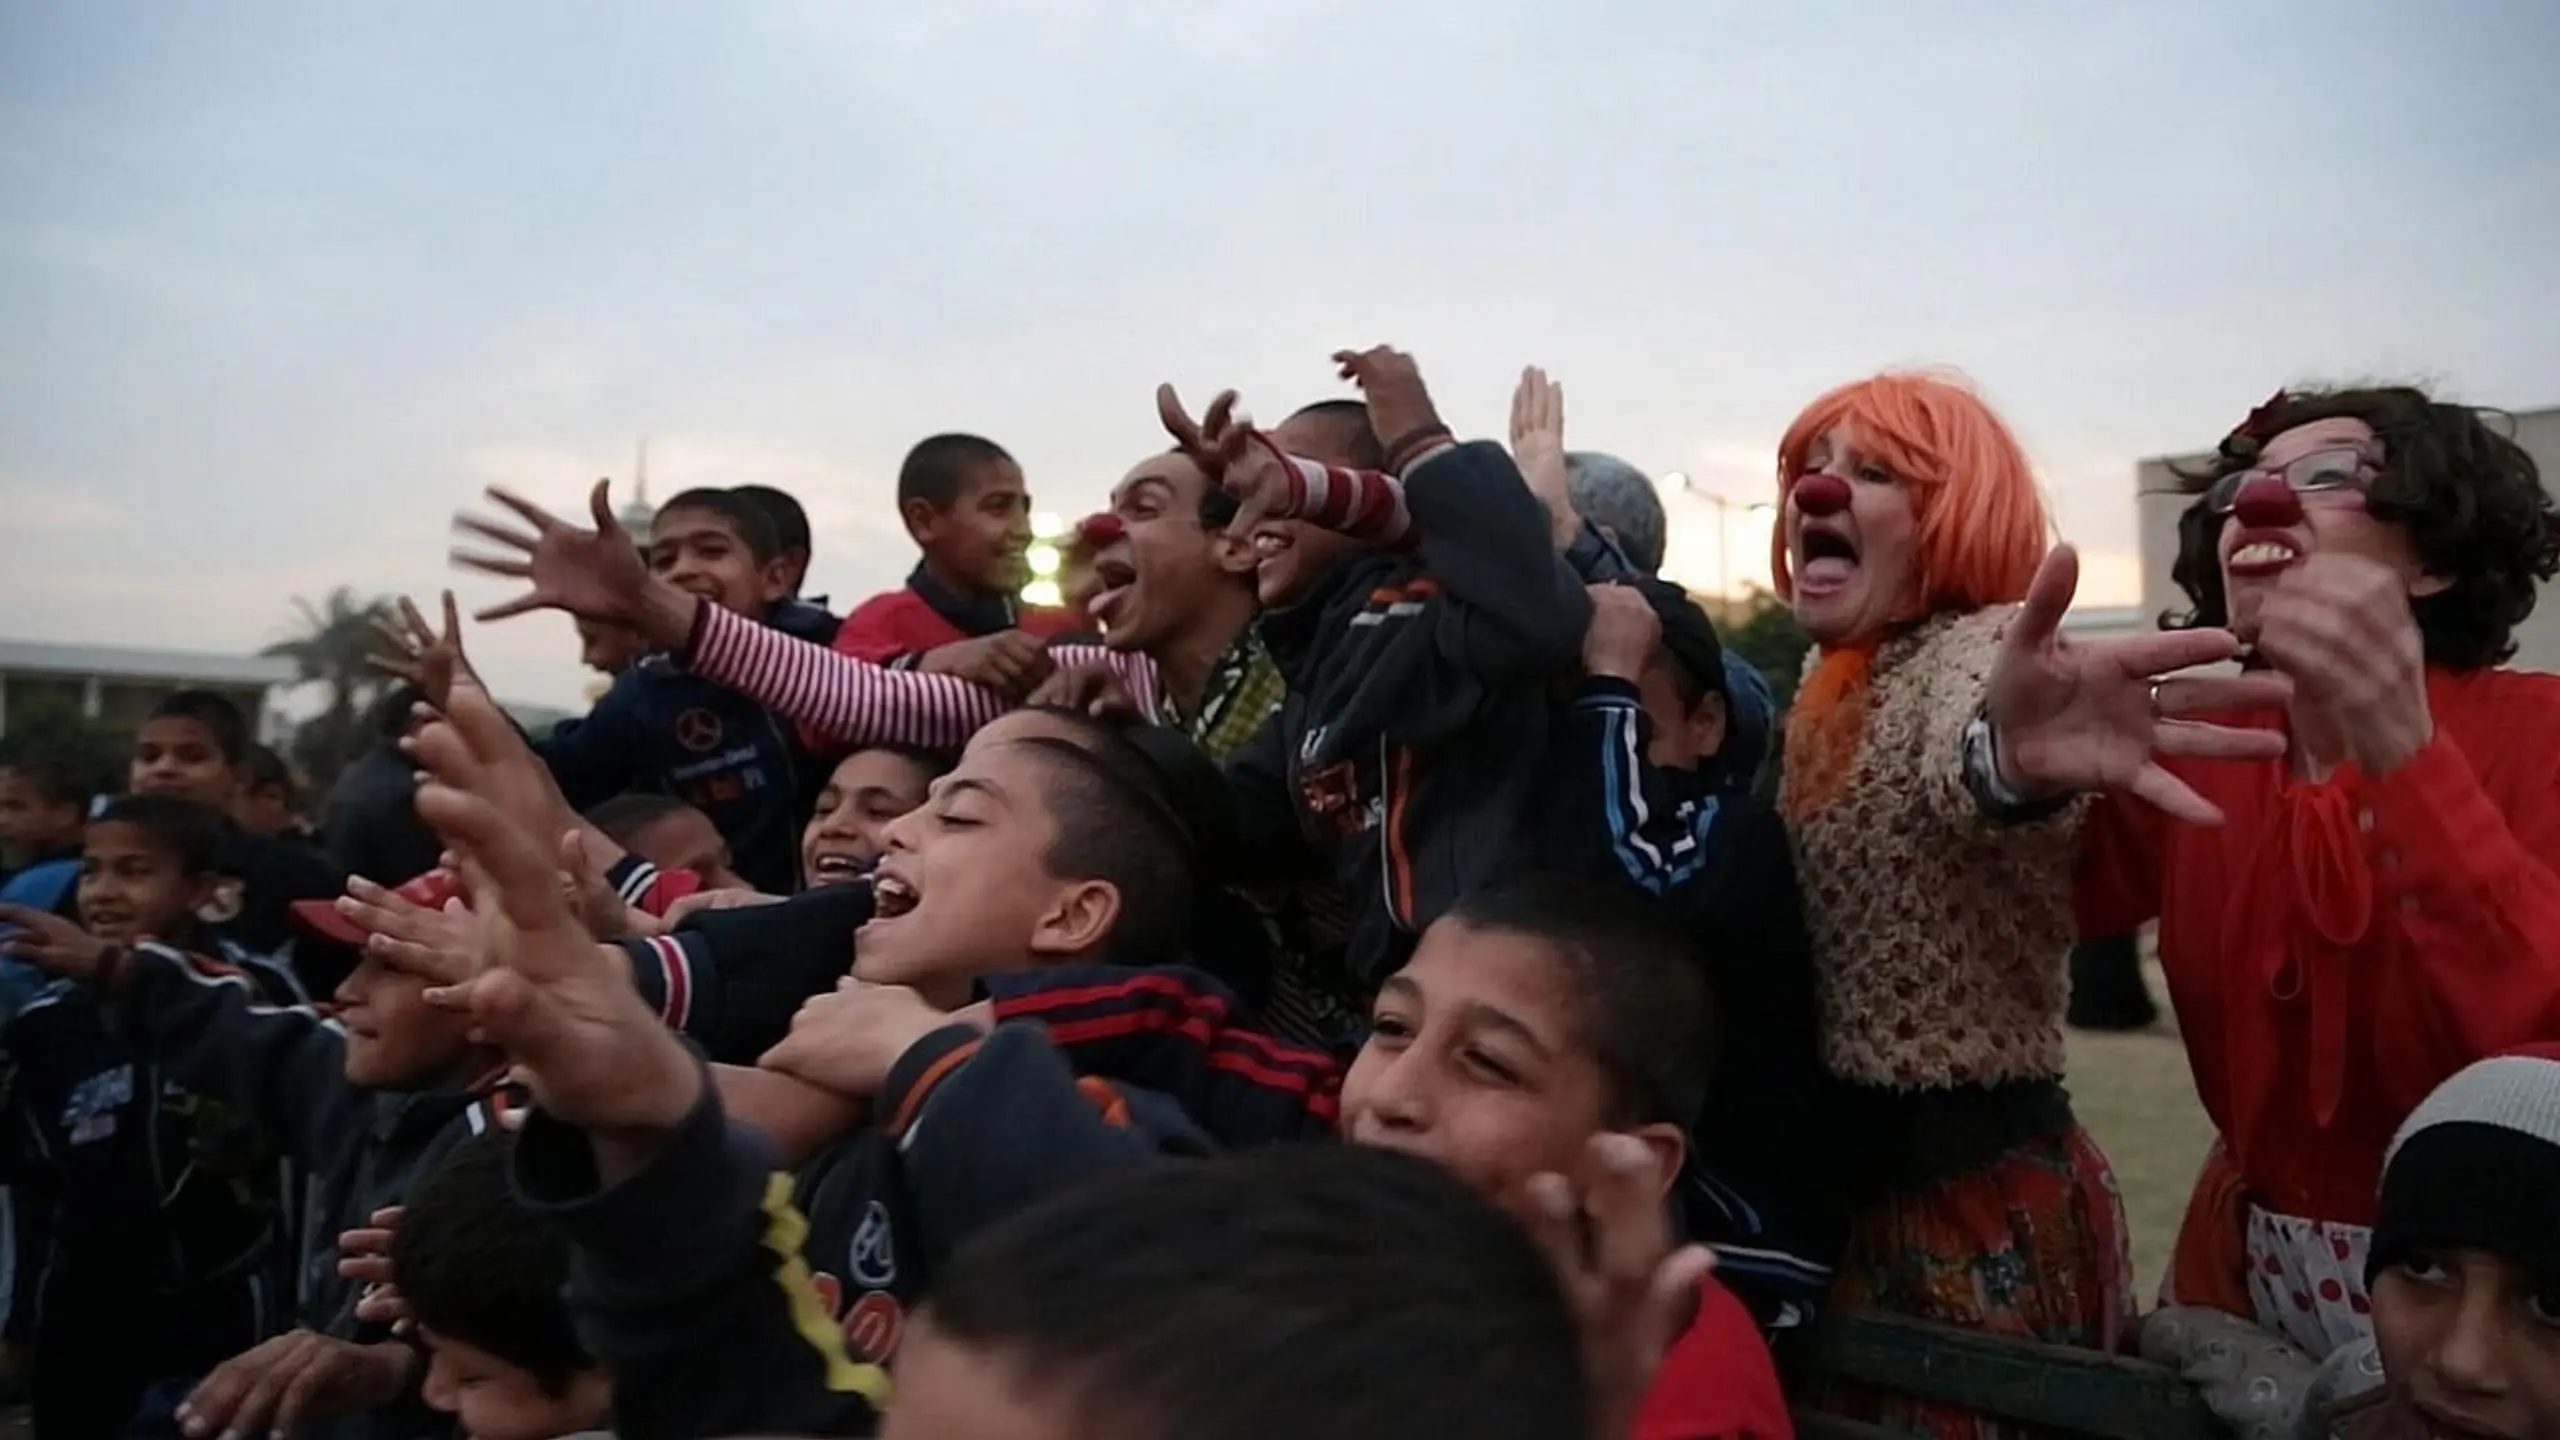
(118, 687)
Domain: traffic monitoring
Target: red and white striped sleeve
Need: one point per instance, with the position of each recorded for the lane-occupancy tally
(1363, 504)
(1137, 673)
(835, 696)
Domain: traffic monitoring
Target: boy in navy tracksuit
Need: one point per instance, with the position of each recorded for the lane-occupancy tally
(169, 1231)
(1404, 759)
(1641, 797)
(362, 1099)
(661, 728)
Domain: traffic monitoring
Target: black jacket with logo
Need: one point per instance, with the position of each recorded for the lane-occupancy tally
(663, 728)
(730, 1299)
(1405, 761)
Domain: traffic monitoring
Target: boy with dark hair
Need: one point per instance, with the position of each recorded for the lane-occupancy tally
(669, 834)
(362, 1100)
(482, 1276)
(1298, 1291)
(962, 499)
(869, 788)
(44, 803)
(168, 1227)
(196, 745)
(662, 728)
(270, 799)
(1640, 797)
(790, 533)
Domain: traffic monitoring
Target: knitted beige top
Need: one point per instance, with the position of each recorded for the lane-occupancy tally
(1942, 939)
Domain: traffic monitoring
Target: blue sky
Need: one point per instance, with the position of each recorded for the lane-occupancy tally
(282, 284)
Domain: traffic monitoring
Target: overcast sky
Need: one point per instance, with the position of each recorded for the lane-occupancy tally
(282, 284)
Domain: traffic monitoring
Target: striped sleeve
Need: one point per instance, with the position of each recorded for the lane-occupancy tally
(1363, 504)
(1137, 673)
(663, 970)
(837, 696)
(1656, 840)
(1174, 1031)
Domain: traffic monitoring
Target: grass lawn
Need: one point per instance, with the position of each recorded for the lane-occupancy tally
(2134, 1094)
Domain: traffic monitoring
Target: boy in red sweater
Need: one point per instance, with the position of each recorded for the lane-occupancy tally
(960, 613)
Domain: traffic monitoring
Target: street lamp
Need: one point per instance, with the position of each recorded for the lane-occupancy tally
(1724, 513)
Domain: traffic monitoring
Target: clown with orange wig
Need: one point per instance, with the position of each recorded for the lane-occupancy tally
(1913, 547)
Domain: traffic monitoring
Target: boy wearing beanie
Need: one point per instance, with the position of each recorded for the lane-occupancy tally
(2465, 1265)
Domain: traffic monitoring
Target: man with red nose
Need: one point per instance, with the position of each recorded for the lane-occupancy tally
(2381, 906)
(1172, 582)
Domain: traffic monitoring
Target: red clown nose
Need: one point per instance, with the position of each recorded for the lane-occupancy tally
(1822, 494)
(2266, 502)
(1095, 533)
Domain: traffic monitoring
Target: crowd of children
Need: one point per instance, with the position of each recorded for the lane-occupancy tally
(1353, 971)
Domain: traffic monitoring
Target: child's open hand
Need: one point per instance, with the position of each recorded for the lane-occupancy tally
(1608, 1233)
(419, 654)
(447, 944)
(52, 944)
(1537, 446)
(593, 574)
(1214, 441)
(847, 1040)
(1234, 455)
(559, 1004)
(1399, 404)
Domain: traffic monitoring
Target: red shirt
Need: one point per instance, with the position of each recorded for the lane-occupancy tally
(1717, 1381)
(2335, 950)
(897, 623)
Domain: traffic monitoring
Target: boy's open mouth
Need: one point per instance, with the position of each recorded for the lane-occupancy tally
(836, 867)
(891, 896)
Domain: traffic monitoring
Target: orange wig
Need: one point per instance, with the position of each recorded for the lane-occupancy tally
(1981, 533)
(1982, 525)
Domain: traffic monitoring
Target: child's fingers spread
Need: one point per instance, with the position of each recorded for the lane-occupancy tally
(502, 566)
(524, 604)
(534, 515)
(502, 535)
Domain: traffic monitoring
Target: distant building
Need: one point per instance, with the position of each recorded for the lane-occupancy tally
(118, 687)
(2159, 501)
(636, 515)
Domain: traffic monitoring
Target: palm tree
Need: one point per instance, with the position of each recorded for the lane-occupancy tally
(336, 637)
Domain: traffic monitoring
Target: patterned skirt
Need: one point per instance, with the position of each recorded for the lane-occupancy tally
(2032, 1244)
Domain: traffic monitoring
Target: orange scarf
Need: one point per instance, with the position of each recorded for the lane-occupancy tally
(1824, 726)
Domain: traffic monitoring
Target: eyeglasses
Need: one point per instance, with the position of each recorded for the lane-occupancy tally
(2322, 472)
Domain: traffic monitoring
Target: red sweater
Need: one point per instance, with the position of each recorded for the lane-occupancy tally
(2337, 949)
(1717, 1381)
(895, 624)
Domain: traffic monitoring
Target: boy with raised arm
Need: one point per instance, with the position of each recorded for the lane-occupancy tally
(597, 575)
